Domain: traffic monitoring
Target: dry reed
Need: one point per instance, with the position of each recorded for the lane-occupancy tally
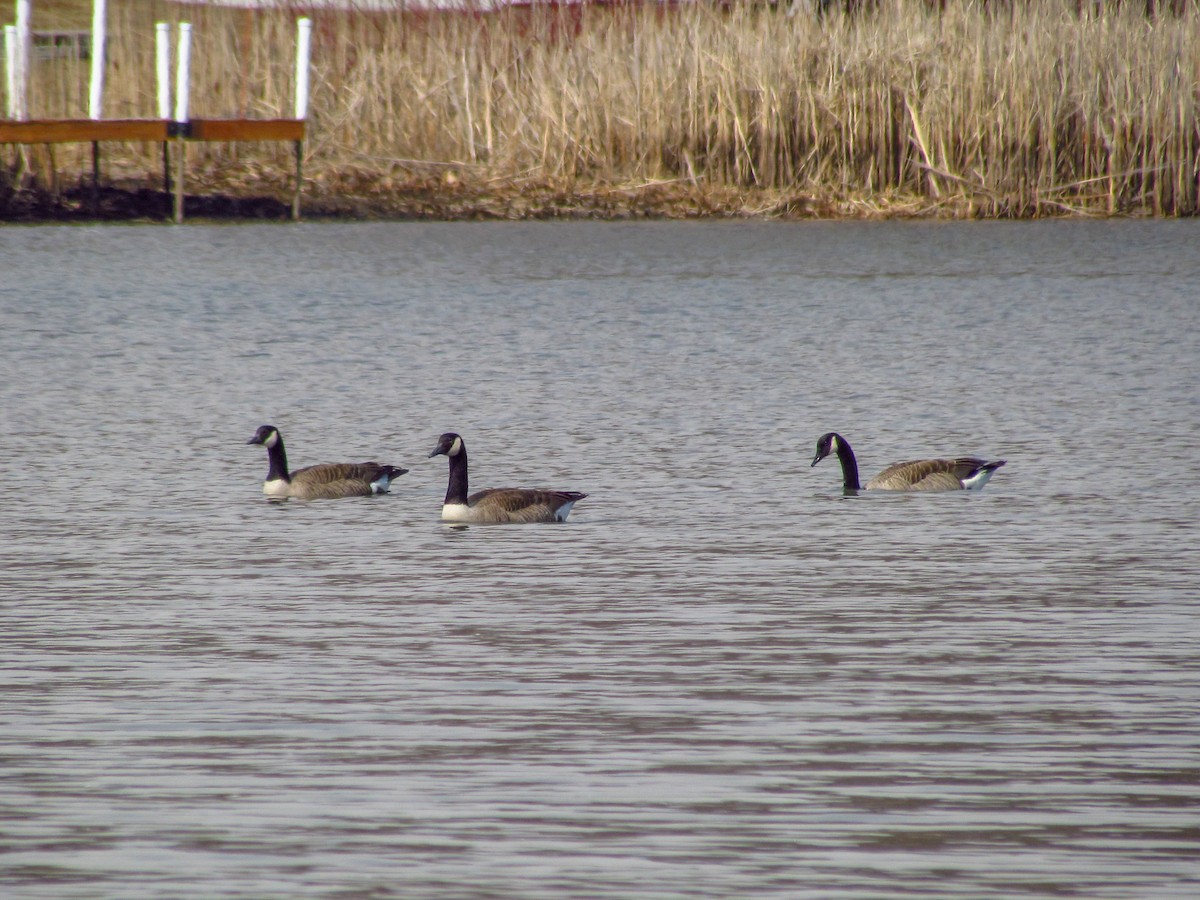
(1005, 109)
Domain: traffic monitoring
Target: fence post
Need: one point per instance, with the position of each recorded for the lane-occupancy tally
(20, 63)
(303, 49)
(162, 53)
(181, 111)
(10, 71)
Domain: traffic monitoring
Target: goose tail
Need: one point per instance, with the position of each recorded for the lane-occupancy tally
(977, 479)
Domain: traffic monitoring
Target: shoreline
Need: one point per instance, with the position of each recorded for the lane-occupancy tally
(449, 199)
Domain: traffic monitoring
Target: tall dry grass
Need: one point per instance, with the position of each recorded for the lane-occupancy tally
(1004, 109)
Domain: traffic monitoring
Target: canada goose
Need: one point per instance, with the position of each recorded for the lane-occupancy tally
(496, 505)
(963, 473)
(328, 481)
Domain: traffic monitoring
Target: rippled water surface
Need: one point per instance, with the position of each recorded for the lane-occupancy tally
(721, 678)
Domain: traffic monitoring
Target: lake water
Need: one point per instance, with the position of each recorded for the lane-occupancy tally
(721, 678)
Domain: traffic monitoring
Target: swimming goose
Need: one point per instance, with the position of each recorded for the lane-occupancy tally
(327, 481)
(496, 505)
(964, 473)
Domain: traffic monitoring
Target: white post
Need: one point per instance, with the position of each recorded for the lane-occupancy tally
(21, 63)
(182, 63)
(96, 95)
(10, 70)
(181, 72)
(162, 46)
(303, 45)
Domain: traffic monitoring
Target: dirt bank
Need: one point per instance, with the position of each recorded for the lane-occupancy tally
(445, 198)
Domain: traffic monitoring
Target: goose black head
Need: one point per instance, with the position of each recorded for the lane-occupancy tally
(449, 444)
(267, 435)
(826, 444)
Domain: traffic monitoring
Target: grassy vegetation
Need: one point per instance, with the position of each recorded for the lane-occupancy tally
(1017, 109)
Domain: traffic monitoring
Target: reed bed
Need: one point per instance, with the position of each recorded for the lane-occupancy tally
(994, 110)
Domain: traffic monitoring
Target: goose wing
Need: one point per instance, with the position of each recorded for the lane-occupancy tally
(523, 504)
(333, 480)
(922, 475)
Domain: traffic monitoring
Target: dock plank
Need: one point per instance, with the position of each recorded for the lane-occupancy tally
(68, 131)
(246, 130)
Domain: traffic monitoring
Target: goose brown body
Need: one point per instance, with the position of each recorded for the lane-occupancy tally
(929, 474)
(496, 506)
(326, 481)
(959, 473)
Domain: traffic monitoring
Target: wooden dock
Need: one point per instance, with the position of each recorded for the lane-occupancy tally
(162, 131)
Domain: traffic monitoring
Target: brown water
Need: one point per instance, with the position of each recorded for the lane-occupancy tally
(720, 679)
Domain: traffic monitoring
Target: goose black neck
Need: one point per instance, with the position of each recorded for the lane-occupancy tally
(456, 490)
(278, 460)
(849, 465)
